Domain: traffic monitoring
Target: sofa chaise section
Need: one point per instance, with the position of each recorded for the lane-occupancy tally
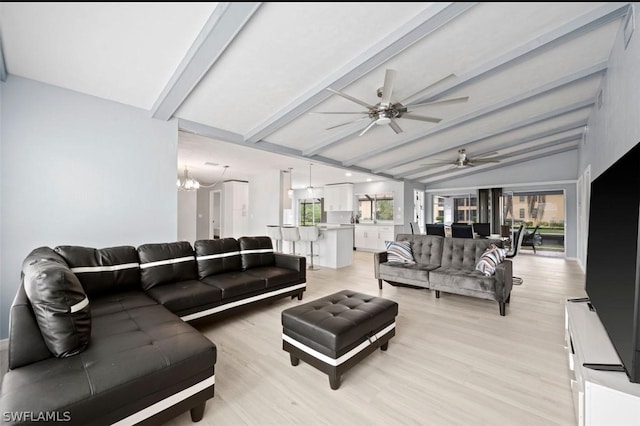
(142, 363)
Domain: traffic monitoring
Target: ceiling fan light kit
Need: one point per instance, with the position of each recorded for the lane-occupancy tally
(385, 112)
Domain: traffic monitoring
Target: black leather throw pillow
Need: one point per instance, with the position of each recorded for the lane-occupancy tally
(59, 302)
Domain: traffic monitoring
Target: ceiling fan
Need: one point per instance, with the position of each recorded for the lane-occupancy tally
(465, 161)
(386, 111)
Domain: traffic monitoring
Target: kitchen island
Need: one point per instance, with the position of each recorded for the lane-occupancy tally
(334, 248)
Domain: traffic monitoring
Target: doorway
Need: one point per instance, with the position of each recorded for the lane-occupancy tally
(215, 214)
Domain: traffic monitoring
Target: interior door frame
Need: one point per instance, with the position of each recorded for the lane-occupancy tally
(212, 211)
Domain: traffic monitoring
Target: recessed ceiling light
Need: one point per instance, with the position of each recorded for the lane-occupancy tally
(368, 179)
(348, 174)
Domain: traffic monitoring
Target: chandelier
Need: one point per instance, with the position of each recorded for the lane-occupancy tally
(187, 183)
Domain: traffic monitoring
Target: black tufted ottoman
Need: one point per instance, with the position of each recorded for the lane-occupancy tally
(335, 332)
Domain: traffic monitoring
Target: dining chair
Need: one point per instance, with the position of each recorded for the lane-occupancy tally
(435, 229)
(461, 230)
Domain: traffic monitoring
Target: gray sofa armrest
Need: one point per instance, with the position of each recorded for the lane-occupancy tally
(504, 280)
(290, 261)
(378, 258)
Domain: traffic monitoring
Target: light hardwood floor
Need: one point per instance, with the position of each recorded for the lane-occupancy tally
(453, 361)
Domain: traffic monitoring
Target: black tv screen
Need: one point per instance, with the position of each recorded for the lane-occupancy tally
(612, 257)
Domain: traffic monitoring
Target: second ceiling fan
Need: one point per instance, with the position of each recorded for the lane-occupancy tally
(386, 112)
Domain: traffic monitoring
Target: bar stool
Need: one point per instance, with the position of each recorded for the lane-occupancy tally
(291, 234)
(275, 233)
(310, 234)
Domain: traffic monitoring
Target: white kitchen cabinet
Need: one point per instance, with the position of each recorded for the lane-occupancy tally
(338, 197)
(235, 222)
(373, 237)
(601, 398)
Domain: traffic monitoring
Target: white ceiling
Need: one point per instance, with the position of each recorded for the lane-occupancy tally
(243, 78)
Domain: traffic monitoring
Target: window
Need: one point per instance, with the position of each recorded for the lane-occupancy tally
(374, 208)
(311, 211)
(521, 213)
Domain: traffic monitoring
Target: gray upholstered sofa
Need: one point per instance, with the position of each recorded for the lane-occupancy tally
(447, 264)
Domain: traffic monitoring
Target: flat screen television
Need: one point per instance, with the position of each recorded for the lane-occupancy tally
(612, 273)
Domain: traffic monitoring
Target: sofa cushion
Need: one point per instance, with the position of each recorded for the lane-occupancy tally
(217, 256)
(256, 252)
(235, 284)
(103, 270)
(186, 295)
(118, 302)
(166, 263)
(137, 358)
(399, 252)
(275, 276)
(491, 257)
(463, 253)
(464, 282)
(59, 302)
(410, 273)
(427, 249)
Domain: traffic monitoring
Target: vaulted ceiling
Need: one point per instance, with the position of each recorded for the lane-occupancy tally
(290, 84)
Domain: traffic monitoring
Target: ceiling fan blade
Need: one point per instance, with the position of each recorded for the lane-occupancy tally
(395, 126)
(485, 160)
(387, 89)
(438, 163)
(450, 76)
(348, 122)
(373, 123)
(486, 154)
(442, 102)
(351, 98)
(421, 118)
(338, 112)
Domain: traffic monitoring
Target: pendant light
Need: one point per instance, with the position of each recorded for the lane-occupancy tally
(310, 188)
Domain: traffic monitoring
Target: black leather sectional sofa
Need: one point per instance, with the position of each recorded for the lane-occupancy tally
(98, 336)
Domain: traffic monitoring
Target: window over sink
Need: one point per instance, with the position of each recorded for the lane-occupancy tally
(375, 208)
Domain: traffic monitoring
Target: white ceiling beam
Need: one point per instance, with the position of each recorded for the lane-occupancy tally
(568, 147)
(583, 24)
(519, 153)
(238, 139)
(3, 67)
(417, 28)
(507, 103)
(553, 132)
(475, 139)
(221, 28)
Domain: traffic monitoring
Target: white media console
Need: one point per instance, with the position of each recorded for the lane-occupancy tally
(601, 398)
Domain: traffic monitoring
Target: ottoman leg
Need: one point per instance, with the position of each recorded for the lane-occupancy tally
(384, 346)
(294, 360)
(334, 380)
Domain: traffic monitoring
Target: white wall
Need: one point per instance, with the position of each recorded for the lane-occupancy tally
(79, 170)
(615, 128)
(187, 215)
(265, 201)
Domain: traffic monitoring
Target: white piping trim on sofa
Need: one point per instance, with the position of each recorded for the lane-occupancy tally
(168, 402)
(256, 251)
(218, 256)
(240, 302)
(166, 262)
(337, 361)
(109, 268)
(79, 306)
